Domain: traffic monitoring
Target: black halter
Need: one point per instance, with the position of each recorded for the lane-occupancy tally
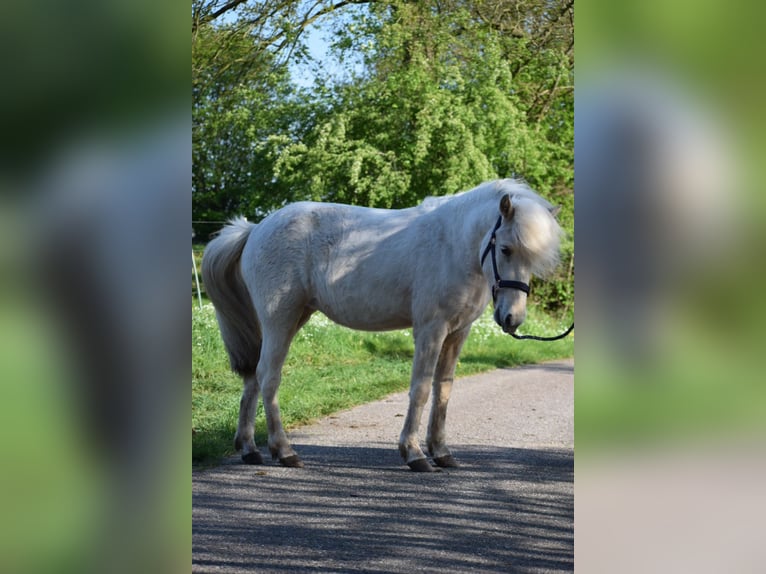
(500, 283)
(505, 284)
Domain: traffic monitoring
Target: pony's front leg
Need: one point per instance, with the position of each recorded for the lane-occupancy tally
(443, 378)
(428, 345)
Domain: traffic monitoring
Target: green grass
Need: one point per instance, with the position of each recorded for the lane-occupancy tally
(330, 368)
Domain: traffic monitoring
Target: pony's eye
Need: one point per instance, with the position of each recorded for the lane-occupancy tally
(505, 250)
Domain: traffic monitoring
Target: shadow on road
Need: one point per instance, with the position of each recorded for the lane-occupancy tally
(361, 510)
(550, 367)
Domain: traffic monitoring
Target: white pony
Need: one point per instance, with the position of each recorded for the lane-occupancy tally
(425, 267)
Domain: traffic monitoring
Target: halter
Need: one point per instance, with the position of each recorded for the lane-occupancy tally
(506, 284)
(500, 283)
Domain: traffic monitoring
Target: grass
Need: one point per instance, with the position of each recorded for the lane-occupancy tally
(331, 368)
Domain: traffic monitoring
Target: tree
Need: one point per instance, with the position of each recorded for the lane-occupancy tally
(441, 106)
(233, 107)
(241, 96)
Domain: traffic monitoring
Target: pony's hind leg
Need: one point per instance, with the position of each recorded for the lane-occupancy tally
(442, 384)
(244, 440)
(273, 353)
(270, 373)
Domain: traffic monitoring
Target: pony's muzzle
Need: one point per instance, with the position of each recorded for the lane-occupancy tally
(508, 323)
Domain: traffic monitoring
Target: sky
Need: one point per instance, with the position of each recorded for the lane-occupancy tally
(318, 40)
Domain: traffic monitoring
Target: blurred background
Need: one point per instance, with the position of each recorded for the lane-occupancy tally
(94, 209)
(670, 398)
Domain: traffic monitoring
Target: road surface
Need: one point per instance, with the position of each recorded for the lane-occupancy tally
(356, 507)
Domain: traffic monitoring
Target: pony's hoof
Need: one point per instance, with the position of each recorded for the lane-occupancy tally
(291, 461)
(446, 461)
(252, 458)
(421, 465)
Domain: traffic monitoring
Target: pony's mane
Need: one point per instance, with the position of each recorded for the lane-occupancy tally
(518, 188)
(536, 234)
(494, 189)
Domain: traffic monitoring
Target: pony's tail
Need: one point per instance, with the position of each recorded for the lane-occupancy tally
(233, 306)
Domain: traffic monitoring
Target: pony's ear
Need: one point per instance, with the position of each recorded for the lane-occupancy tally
(555, 210)
(506, 207)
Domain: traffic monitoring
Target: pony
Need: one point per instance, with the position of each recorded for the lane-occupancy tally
(424, 267)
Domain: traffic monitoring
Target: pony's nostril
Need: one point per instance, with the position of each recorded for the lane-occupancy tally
(510, 324)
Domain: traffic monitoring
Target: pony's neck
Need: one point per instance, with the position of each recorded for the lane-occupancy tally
(478, 226)
(475, 213)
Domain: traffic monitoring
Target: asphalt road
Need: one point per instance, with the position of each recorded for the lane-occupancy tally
(356, 507)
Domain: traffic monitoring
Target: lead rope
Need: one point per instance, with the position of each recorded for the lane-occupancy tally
(536, 338)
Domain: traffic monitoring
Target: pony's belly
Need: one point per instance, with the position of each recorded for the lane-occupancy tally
(371, 324)
(367, 319)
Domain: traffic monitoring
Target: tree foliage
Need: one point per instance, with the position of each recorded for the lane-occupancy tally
(241, 97)
(235, 106)
(449, 93)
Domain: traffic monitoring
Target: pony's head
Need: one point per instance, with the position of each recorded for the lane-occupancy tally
(524, 242)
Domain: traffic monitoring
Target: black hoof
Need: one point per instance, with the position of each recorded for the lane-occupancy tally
(291, 461)
(421, 465)
(447, 461)
(252, 458)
